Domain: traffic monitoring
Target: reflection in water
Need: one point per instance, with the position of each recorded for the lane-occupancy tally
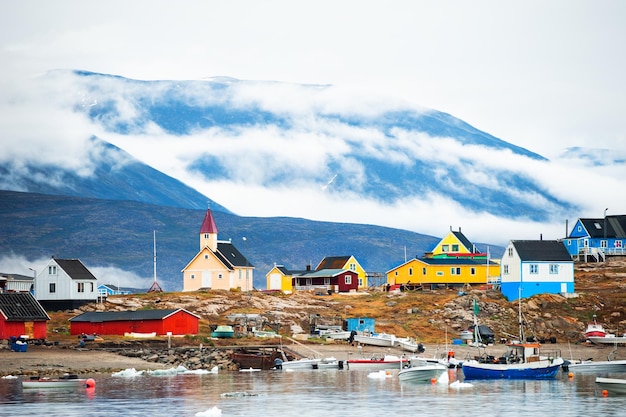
(308, 393)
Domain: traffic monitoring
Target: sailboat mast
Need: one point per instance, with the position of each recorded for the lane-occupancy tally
(154, 240)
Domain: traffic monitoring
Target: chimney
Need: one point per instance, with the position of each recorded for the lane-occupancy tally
(308, 267)
(540, 236)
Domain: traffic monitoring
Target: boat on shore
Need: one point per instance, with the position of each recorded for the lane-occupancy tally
(223, 332)
(594, 329)
(376, 339)
(409, 344)
(612, 385)
(609, 339)
(65, 381)
(422, 371)
(303, 363)
(256, 357)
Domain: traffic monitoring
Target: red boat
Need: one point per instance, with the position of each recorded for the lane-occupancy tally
(594, 329)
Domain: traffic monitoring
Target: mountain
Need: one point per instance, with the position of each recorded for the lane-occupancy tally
(119, 234)
(310, 140)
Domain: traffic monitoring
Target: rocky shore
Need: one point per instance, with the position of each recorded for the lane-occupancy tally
(57, 360)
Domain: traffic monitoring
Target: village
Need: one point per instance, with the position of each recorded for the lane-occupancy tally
(65, 304)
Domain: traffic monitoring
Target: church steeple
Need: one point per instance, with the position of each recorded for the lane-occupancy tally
(208, 232)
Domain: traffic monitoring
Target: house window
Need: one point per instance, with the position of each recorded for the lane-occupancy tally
(352, 267)
(193, 276)
(618, 243)
(206, 235)
(396, 273)
(534, 268)
(586, 243)
(410, 271)
(206, 256)
(53, 287)
(455, 248)
(603, 244)
(220, 276)
(423, 271)
(472, 271)
(348, 279)
(326, 281)
(439, 273)
(360, 282)
(554, 268)
(506, 269)
(510, 251)
(52, 270)
(91, 286)
(452, 271)
(445, 248)
(81, 287)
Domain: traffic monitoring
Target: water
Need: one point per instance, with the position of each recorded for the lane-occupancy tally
(304, 393)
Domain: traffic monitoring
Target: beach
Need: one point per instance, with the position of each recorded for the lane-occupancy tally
(54, 360)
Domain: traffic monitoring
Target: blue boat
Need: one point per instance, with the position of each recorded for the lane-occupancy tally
(223, 332)
(520, 361)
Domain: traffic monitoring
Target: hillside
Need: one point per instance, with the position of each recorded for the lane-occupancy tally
(600, 287)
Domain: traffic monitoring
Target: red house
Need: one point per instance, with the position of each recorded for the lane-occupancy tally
(176, 321)
(22, 315)
(331, 280)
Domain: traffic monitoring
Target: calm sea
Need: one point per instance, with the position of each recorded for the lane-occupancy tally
(310, 393)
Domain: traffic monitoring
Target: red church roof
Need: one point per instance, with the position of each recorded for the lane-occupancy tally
(208, 224)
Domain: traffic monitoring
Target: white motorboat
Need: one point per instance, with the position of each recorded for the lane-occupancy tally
(409, 344)
(378, 363)
(376, 339)
(422, 371)
(609, 339)
(595, 366)
(304, 363)
(594, 329)
(612, 385)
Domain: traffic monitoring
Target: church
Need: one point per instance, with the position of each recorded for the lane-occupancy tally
(218, 265)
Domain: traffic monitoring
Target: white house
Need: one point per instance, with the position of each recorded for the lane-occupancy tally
(64, 284)
(532, 267)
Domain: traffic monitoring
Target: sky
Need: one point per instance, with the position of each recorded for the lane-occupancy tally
(543, 75)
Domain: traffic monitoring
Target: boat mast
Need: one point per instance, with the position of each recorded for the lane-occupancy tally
(519, 318)
(155, 285)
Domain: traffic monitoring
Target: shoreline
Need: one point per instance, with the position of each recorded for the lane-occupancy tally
(56, 360)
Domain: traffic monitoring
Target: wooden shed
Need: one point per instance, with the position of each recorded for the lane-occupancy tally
(176, 321)
(22, 315)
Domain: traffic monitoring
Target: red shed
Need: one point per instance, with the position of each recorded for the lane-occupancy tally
(21, 314)
(177, 321)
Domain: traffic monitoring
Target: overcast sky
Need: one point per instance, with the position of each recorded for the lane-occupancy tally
(543, 75)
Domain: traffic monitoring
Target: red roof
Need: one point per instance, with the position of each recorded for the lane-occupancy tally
(208, 224)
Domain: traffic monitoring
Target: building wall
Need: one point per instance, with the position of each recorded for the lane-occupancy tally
(34, 330)
(180, 323)
(416, 272)
(449, 239)
(66, 288)
(276, 280)
(206, 270)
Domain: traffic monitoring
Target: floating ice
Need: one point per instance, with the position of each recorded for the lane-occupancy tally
(128, 373)
(379, 375)
(458, 385)
(209, 413)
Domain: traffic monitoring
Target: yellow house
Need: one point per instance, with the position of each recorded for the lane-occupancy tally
(218, 265)
(453, 262)
(281, 278)
(347, 263)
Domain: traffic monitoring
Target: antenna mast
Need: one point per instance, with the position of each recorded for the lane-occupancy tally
(155, 285)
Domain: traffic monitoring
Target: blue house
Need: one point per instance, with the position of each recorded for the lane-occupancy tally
(105, 290)
(530, 267)
(360, 324)
(597, 238)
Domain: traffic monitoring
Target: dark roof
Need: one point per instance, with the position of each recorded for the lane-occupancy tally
(74, 268)
(333, 262)
(615, 226)
(324, 273)
(465, 241)
(16, 277)
(21, 306)
(292, 272)
(230, 256)
(541, 250)
(103, 316)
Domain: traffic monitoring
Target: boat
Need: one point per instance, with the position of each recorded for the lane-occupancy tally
(255, 357)
(223, 332)
(409, 344)
(376, 363)
(609, 339)
(612, 385)
(522, 360)
(329, 363)
(303, 363)
(422, 371)
(595, 366)
(594, 329)
(65, 381)
(376, 339)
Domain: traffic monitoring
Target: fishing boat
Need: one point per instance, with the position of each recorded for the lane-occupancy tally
(422, 371)
(65, 381)
(608, 366)
(376, 363)
(594, 329)
(612, 385)
(255, 357)
(409, 344)
(304, 363)
(522, 360)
